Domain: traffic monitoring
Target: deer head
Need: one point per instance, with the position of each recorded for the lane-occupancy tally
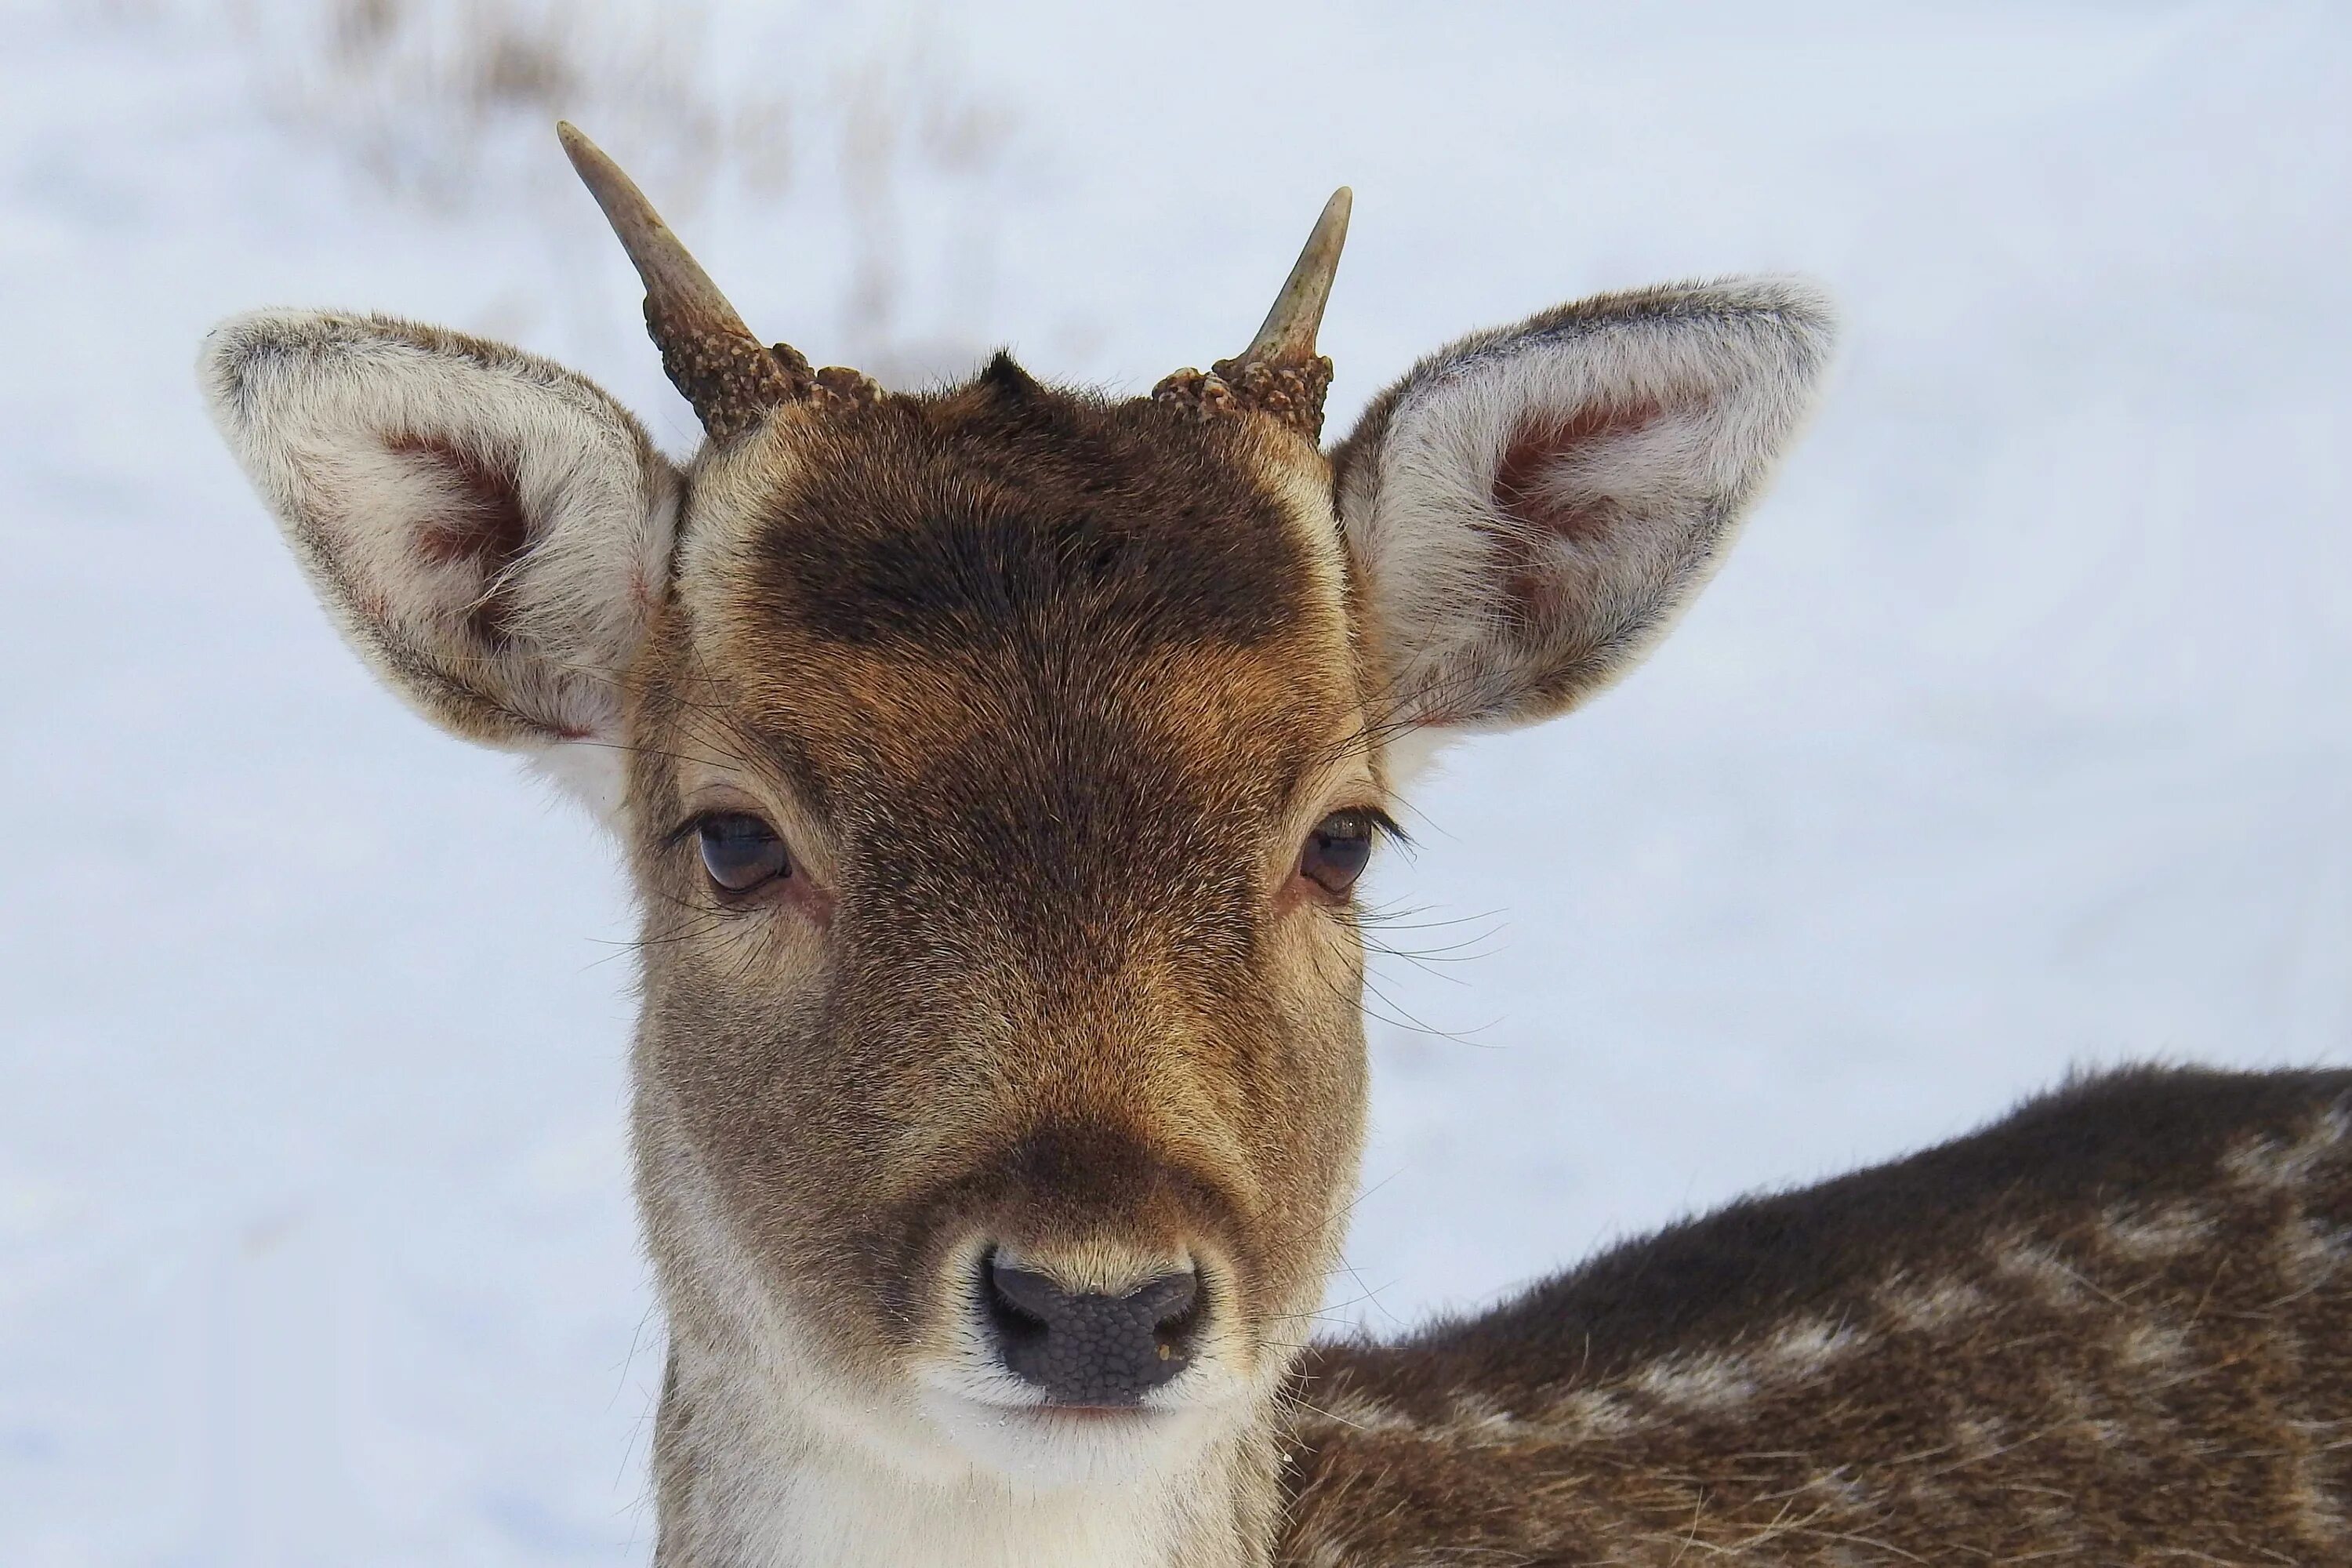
(996, 767)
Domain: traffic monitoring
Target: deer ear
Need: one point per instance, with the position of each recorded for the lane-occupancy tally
(490, 532)
(1529, 509)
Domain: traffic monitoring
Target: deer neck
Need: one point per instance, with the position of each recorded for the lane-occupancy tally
(748, 1481)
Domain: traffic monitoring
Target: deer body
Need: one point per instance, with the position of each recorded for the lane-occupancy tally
(2111, 1329)
(996, 765)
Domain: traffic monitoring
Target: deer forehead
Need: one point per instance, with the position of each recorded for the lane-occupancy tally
(1011, 590)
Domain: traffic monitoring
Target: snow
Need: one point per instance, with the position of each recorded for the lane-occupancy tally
(2014, 737)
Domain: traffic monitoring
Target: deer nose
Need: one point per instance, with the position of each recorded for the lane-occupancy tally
(1092, 1349)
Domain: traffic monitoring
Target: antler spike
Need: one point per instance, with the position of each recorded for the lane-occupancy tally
(1288, 332)
(1279, 375)
(726, 373)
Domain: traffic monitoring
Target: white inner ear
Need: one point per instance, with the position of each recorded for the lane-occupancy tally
(1590, 513)
(520, 566)
(1571, 515)
(492, 531)
(522, 555)
(1542, 504)
(519, 562)
(427, 524)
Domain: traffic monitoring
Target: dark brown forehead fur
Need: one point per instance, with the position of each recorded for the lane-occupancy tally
(1044, 627)
(1006, 509)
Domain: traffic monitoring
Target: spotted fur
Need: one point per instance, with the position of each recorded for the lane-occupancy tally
(2111, 1329)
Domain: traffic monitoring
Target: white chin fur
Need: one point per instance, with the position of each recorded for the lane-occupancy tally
(1042, 1449)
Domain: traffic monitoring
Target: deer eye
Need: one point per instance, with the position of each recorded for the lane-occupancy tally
(1338, 849)
(741, 851)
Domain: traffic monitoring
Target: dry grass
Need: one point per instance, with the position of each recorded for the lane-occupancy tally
(449, 103)
(425, 95)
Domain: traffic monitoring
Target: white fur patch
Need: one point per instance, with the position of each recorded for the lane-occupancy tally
(1362, 1413)
(2163, 1232)
(2267, 1162)
(2311, 1253)
(1595, 1413)
(1710, 1383)
(1933, 1308)
(2033, 1265)
(1808, 1348)
(2152, 1346)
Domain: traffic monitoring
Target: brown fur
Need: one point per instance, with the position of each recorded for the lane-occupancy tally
(1044, 697)
(2109, 1330)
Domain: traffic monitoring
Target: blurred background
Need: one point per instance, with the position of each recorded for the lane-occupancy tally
(2014, 737)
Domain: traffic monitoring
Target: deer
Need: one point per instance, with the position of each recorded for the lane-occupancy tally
(996, 765)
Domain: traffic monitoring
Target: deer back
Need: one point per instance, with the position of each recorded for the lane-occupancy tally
(2115, 1327)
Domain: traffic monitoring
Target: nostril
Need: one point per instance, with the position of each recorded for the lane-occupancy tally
(1086, 1348)
(1023, 1292)
(1170, 1305)
(1019, 1306)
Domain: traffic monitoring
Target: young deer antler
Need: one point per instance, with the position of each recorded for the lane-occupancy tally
(1279, 375)
(711, 357)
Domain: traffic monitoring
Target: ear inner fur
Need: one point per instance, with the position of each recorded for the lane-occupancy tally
(491, 531)
(1530, 508)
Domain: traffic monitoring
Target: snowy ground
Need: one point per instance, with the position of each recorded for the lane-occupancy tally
(2015, 736)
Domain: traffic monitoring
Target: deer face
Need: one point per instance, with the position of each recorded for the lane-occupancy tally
(996, 766)
(999, 772)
